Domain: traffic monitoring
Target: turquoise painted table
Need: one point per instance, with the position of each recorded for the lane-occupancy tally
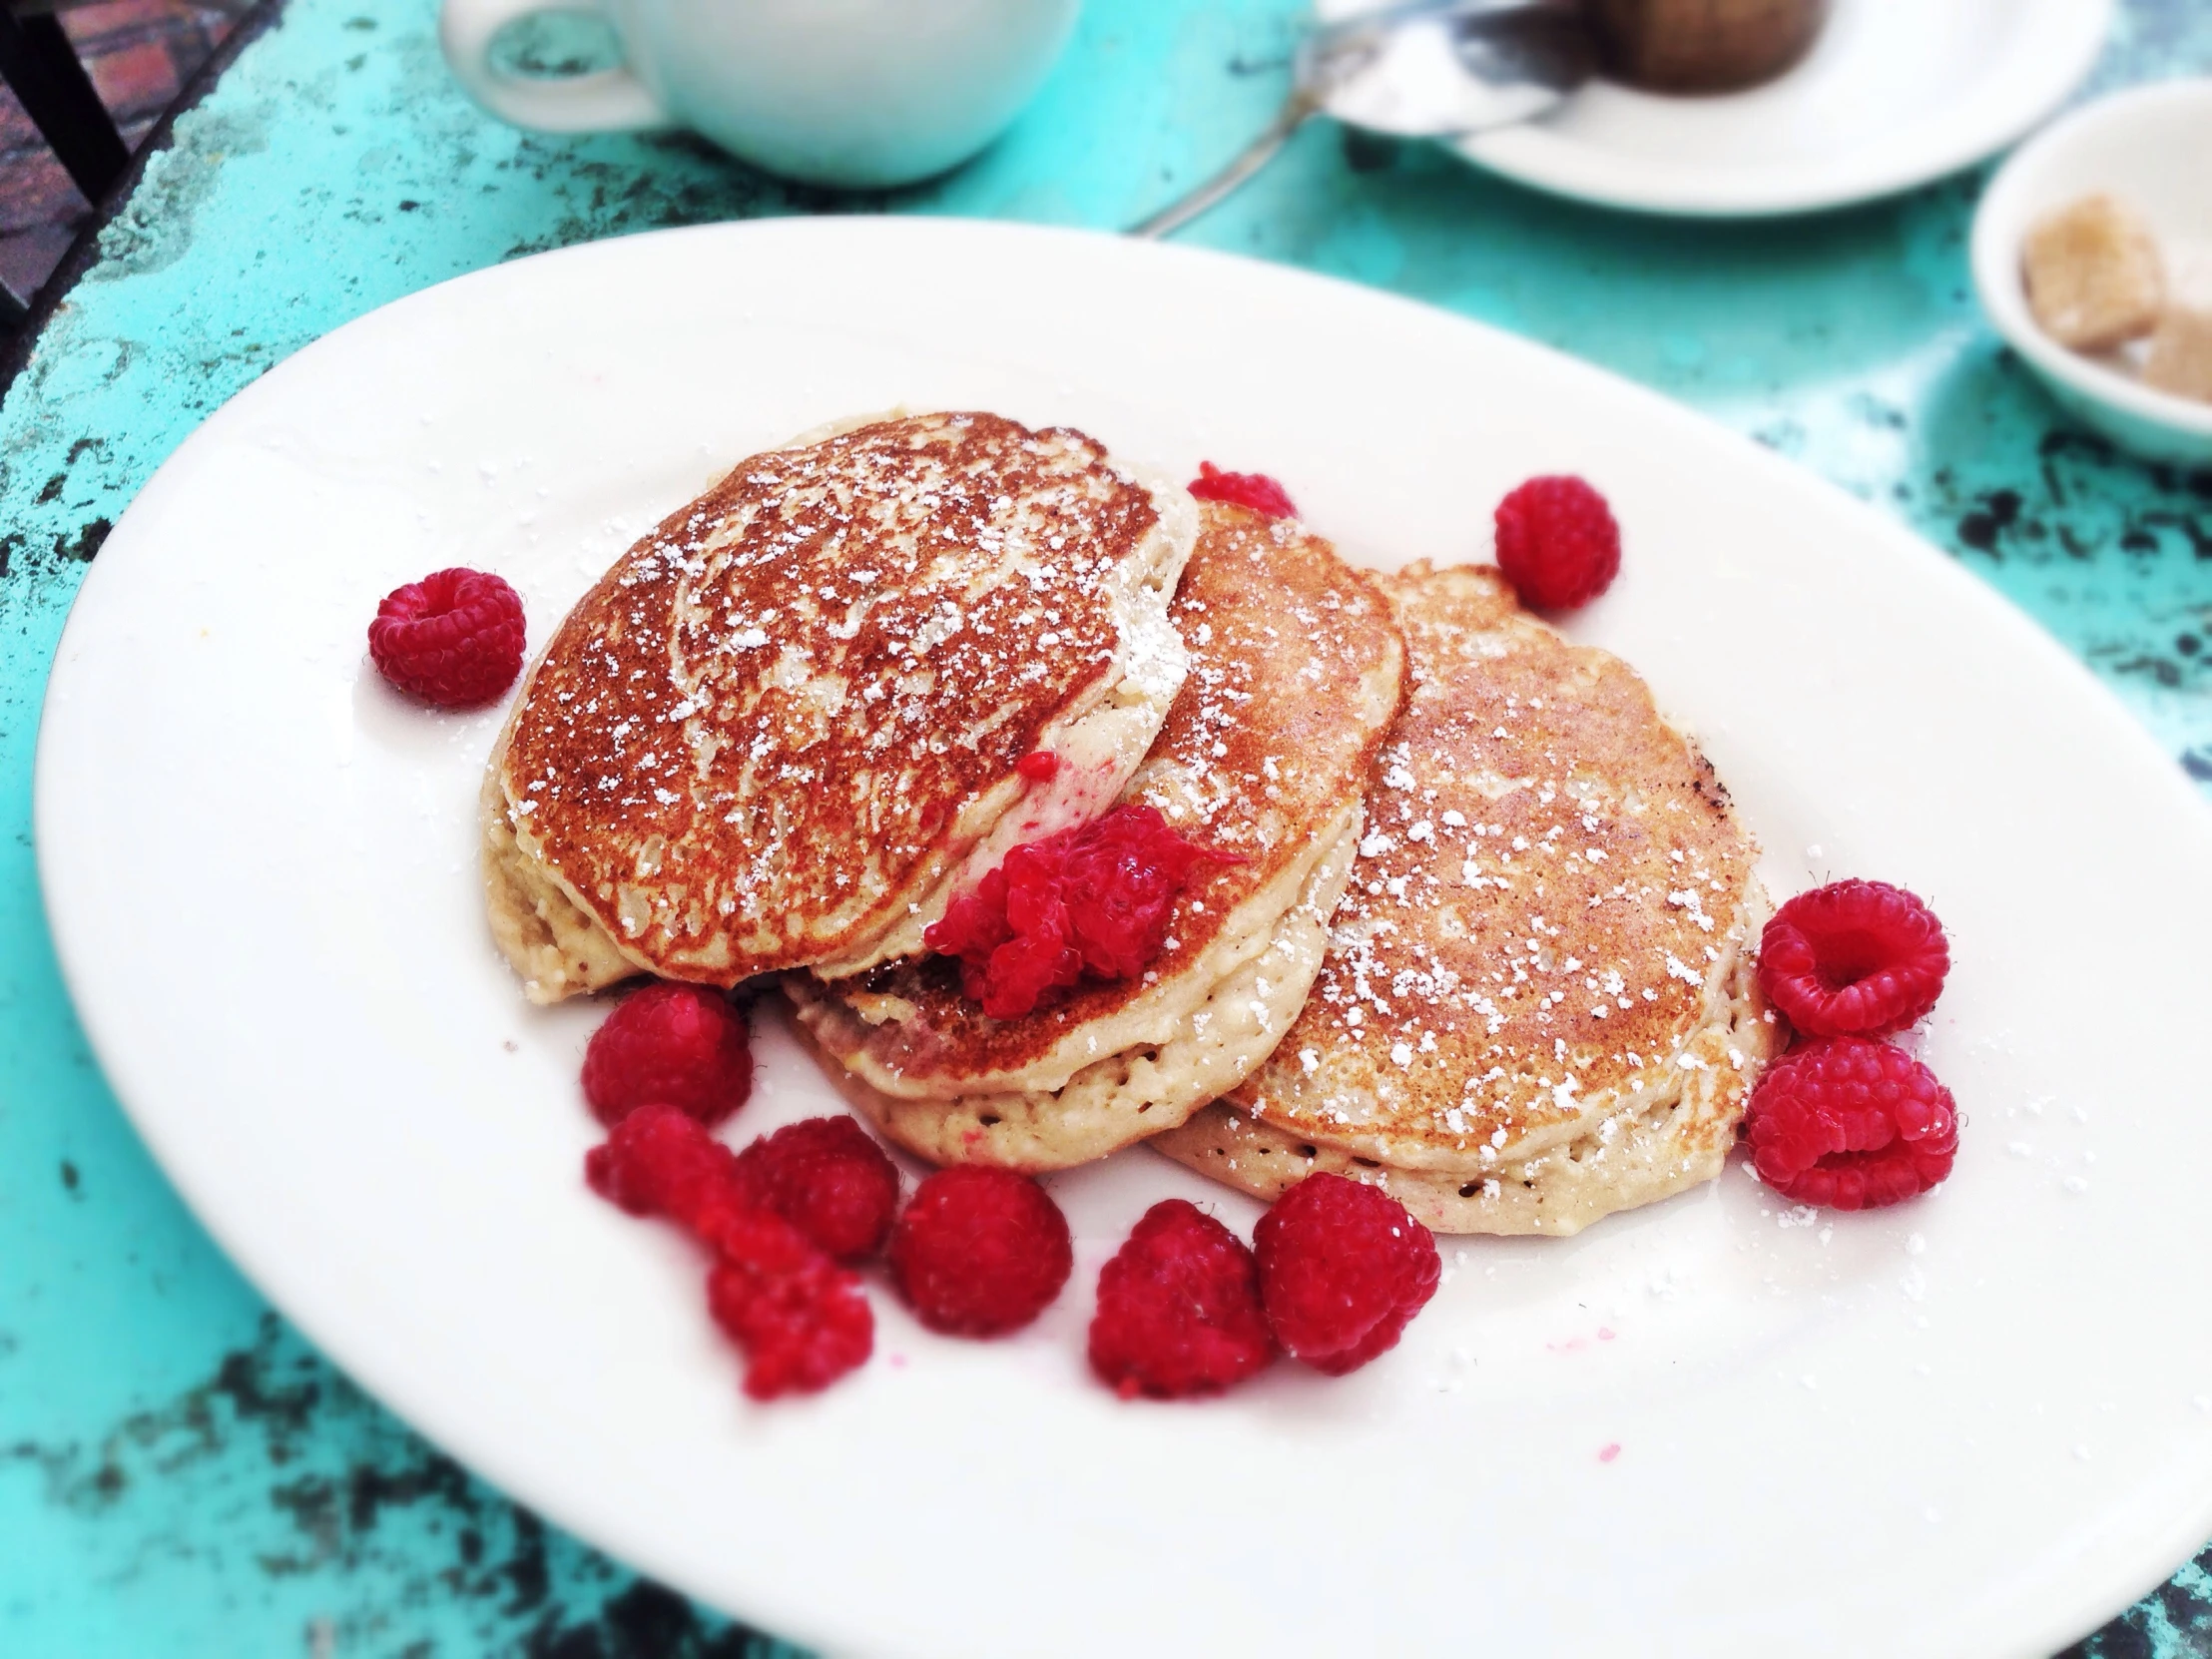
(180, 1473)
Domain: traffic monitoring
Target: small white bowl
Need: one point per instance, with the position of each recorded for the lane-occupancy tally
(2151, 146)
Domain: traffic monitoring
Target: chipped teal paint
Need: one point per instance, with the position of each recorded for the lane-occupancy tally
(179, 1473)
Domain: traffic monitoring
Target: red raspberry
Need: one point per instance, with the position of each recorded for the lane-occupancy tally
(670, 1045)
(1557, 543)
(453, 639)
(658, 1162)
(1853, 959)
(1242, 489)
(802, 1320)
(1039, 766)
(1851, 1124)
(828, 1178)
(980, 1252)
(1343, 1268)
(1093, 898)
(1178, 1309)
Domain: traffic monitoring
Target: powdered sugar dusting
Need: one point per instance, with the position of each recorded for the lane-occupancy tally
(774, 707)
(1547, 907)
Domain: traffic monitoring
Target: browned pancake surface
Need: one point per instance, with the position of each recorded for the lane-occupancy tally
(1548, 904)
(1294, 674)
(744, 742)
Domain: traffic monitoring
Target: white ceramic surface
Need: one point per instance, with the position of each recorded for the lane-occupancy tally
(2151, 146)
(1894, 92)
(1971, 1426)
(850, 93)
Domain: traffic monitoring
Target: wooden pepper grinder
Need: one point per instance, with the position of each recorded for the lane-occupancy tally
(1703, 45)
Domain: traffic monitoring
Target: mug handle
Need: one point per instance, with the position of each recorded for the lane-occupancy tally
(604, 101)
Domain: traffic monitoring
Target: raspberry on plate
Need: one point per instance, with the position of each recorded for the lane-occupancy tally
(1343, 1268)
(827, 1178)
(1242, 489)
(670, 1045)
(1094, 900)
(454, 639)
(980, 1252)
(1178, 1309)
(1557, 543)
(658, 1161)
(1847, 1123)
(1853, 959)
(802, 1320)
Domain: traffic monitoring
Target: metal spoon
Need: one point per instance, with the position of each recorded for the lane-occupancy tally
(1416, 69)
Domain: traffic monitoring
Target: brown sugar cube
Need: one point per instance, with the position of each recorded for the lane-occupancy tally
(2093, 275)
(2180, 360)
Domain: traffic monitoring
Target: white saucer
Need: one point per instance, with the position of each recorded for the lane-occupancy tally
(1894, 92)
(1973, 1426)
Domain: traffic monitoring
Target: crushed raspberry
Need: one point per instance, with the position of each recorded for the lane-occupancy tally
(1851, 1124)
(980, 1252)
(1242, 489)
(658, 1161)
(1557, 543)
(1853, 959)
(802, 1320)
(1178, 1309)
(1039, 766)
(453, 639)
(1343, 1268)
(670, 1045)
(1091, 900)
(828, 1178)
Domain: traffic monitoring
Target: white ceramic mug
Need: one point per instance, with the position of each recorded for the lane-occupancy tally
(853, 92)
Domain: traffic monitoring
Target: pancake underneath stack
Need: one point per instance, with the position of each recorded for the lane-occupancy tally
(1538, 1004)
(784, 727)
(1297, 671)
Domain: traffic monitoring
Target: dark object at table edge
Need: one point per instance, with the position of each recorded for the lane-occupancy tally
(84, 251)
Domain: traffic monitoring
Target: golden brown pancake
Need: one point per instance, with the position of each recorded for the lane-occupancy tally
(776, 729)
(1547, 931)
(1297, 671)
(1637, 1156)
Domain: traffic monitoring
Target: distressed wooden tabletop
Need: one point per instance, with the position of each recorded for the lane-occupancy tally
(180, 1473)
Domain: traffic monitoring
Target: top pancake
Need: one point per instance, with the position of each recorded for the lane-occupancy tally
(1297, 671)
(1546, 921)
(776, 728)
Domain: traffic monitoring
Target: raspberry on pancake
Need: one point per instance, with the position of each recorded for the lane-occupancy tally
(1296, 672)
(1095, 900)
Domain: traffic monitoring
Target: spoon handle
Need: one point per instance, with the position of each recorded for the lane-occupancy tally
(1296, 111)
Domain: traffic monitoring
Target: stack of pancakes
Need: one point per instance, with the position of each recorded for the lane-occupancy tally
(1480, 933)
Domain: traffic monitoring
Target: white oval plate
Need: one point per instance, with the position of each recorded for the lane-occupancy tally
(1894, 92)
(1973, 1425)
